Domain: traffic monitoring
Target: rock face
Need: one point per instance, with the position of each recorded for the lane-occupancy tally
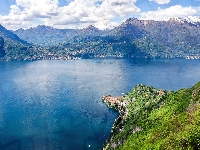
(2, 51)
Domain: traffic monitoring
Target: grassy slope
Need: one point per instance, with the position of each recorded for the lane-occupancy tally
(158, 120)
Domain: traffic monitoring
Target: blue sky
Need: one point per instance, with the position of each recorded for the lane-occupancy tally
(15, 14)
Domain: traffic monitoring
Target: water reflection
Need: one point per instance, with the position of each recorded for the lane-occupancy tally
(57, 104)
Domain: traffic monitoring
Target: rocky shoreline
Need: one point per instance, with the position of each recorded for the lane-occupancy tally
(131, 106)
(118, 103)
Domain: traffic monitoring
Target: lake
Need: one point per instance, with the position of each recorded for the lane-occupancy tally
(56, 105)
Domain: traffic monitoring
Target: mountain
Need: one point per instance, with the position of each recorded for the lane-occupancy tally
(9, 35)
(9, 42)
(175, 38)
(90, 31)
(161, 39)
(44, 35)
(48, 36)
(191, 20)
(14, 48)
(130, 29)
(151, 118)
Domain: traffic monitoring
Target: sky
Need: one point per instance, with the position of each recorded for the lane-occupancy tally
(76, 14)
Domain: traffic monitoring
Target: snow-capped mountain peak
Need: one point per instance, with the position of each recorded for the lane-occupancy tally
(192, 20)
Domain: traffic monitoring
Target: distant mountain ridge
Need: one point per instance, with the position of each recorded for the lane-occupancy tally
(47, 35)
(175, 38)
(10, 41)
(42, 34)
(4, 33)
(191, 20)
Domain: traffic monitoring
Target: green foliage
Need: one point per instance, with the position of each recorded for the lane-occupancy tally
(158, 120)
(133, 38)
(2, 51)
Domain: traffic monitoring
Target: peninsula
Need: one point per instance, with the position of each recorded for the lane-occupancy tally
(151, 118)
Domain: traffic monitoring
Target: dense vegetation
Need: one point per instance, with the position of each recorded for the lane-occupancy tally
(49, 36)
(157, 119)
(133, 38)
(2, 52)
(14, 48)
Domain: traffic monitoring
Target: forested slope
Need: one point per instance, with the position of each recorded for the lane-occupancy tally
(150, 118)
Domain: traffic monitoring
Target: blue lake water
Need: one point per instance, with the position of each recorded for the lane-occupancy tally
(56, 105)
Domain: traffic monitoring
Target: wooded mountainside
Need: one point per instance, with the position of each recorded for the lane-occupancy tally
(175, 38)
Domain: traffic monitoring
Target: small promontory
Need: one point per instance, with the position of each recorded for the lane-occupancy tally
(151, 118)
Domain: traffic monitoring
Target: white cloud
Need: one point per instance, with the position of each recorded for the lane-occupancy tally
(160, 1)
(86, 12)
(165, 14)
(82, 13)
(38, 3)
(26, 12)
(15, 19)
(77, 14)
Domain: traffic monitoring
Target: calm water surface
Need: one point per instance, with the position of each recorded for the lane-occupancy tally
(56, 105)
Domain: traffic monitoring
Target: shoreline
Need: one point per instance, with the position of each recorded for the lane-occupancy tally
(117, 103)
(105, 57)
(123, 105)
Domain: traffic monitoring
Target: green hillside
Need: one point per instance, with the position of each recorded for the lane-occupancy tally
(133, 39)
(153, 119)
